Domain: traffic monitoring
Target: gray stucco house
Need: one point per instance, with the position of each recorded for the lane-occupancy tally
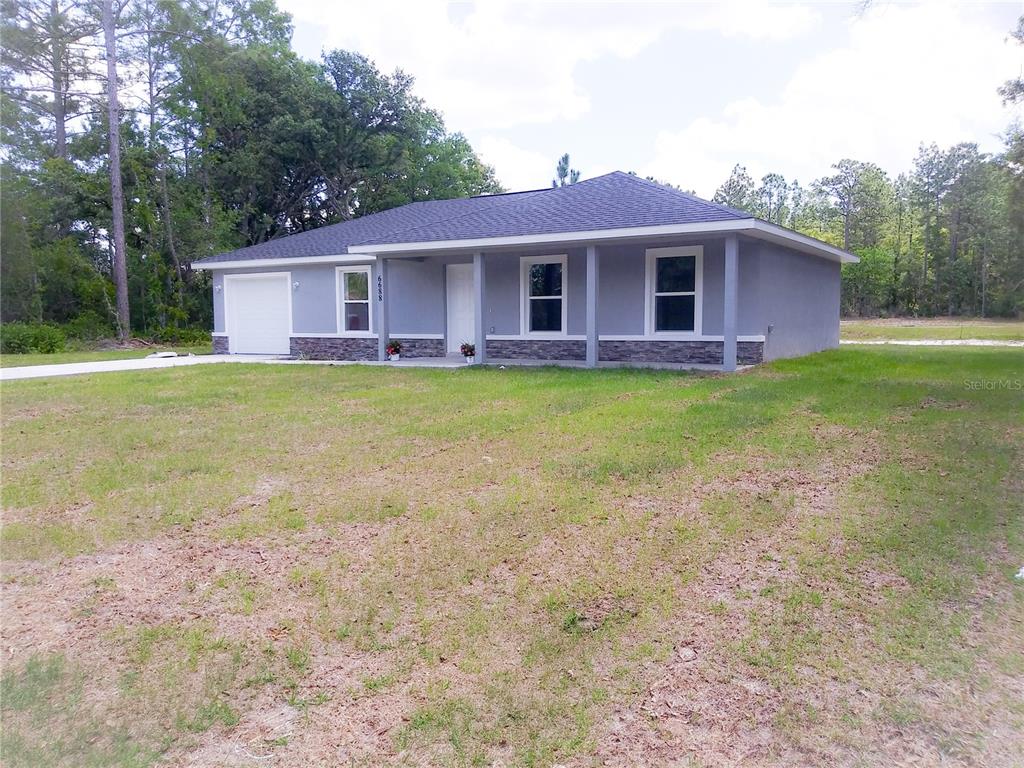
(612, 270)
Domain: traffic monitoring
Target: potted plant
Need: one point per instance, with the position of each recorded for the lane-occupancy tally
(394, 350)
(468, 351)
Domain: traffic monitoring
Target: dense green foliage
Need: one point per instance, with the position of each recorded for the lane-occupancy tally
(22, 338)
(947, 238)
(228, 139)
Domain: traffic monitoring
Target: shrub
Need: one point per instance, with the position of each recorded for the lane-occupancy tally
(89, 326)
(21, 338)
(184, 336)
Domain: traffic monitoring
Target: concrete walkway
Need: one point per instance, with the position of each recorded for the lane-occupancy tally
(148, 363)
(939, 342)
(131, 364)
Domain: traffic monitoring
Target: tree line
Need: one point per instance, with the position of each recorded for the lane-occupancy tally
(944, 238)
(137, 136)
(141, 135)
(947, 238)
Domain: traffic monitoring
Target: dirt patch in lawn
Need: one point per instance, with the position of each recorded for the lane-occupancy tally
(202, 595)
(729, 694)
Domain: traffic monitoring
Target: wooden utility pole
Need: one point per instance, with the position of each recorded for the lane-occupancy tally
(120, 264)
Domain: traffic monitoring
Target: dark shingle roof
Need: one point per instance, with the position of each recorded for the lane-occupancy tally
(607, 202)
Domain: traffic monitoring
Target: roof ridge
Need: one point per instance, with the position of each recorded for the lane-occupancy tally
(494, 194)
(674, 191)
(528, 200)
(568, 189)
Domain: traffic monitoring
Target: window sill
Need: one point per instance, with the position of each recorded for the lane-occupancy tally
(676, 337)
(536, 337)
(348, 335)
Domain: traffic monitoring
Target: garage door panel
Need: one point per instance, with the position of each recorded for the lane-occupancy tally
(258, 314)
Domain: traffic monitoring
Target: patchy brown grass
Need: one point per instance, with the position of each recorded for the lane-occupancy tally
(806, 564)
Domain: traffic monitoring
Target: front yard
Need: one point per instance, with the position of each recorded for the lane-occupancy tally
(945, 328)
(811, 562)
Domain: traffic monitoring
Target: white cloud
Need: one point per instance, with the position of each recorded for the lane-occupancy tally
(520, 169)
(505, 64)
(897, 76)
(758, 21)
(906, 75)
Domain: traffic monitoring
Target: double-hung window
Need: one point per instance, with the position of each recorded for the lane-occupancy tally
(674, 277)
(543, 281)
(353, 300)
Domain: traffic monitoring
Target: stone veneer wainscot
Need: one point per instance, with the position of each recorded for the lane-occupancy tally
(334, 348)
(536, 349)
(360, 348)
(422, 347)
(632, 351)
(692, 352)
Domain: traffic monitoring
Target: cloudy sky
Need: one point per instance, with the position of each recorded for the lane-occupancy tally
(683, 91)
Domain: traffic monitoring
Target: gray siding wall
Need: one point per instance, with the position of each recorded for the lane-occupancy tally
(800, 301)
(797, 294)
(417, 292)
(218, 300)
(621, 289)
(416, 296)
(501, 289)
(504, 300)
(314, 302)
(623, 281)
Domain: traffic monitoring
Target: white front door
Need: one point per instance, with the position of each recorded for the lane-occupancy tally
(258, 310)
(460, 315)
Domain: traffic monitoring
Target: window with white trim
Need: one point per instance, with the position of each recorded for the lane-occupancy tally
(674, 277)
(543, 287)
(354, 300)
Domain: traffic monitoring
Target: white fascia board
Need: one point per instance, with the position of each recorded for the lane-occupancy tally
(752, 227)
(776, 234)
(341, 258)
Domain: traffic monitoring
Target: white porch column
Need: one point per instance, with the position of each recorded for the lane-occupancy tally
(592, 277)
(731, 299)
(479, 321)
(382, 308)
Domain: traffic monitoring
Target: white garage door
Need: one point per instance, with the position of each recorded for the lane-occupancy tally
(258, 311)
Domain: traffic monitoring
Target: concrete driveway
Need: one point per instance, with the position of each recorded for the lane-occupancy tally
(133, 364)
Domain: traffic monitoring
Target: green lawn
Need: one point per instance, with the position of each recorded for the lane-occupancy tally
(932, 328)
(88, 356)
(808, 563)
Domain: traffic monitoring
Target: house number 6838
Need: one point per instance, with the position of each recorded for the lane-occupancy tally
(380, 288)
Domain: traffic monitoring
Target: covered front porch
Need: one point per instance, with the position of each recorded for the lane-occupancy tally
(679, 303)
